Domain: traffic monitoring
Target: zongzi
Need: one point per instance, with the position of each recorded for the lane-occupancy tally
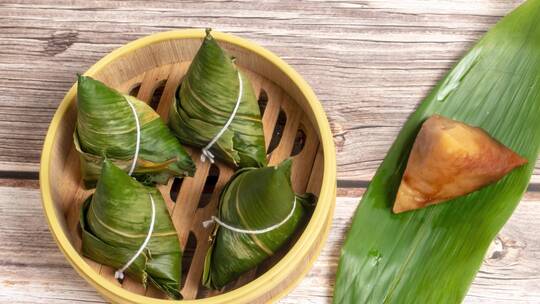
(115, 223)
(258, 213)
(216, 109)
(107, 128)
(450, 159)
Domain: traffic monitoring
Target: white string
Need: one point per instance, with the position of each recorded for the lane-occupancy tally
(119, 274)
(213, 219)
(138, 142)
(206, 150)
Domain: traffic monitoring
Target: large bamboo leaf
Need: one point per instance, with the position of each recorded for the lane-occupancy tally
(205, 101)
(253, 199)
(106, 128)
(431, 255)
(115, 221)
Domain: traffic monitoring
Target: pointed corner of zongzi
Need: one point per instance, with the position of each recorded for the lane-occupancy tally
(82, 83)
(211, 53)
(208, 38)
(285, 166)
(112, 175)
(90, 90)
(450, 159)
(108, 166)
(86, 82)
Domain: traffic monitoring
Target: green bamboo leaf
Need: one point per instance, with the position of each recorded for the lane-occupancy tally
(253, 199)
(106, 128)
(115, 221)
(431, 255)
(204, 102)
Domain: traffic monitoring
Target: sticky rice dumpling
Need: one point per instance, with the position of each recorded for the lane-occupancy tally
(263, 204)
(450, 159)
(207, 99)
(115, 222)
(106, 127)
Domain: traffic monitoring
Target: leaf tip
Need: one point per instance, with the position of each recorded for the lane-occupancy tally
(208, 35)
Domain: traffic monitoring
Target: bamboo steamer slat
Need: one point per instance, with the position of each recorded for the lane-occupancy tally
(294, 125)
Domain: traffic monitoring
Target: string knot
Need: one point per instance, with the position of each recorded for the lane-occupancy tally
(209, 222)
(207, 154)
(119, 275)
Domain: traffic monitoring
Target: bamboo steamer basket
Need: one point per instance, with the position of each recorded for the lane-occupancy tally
(294, 123)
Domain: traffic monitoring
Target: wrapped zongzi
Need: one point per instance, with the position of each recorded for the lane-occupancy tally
(106, 127)
(116, 221)
(216, 109)
(258, 213)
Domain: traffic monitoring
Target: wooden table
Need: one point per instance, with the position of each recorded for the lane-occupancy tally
(370, 62)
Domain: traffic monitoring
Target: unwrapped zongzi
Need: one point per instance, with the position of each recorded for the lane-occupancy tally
(450, 159)
(106, 127)
(212, 92)
(258, 213)
(115, 222)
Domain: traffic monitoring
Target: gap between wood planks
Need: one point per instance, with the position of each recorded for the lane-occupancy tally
(346, 188)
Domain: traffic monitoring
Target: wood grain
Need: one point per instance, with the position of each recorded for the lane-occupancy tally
(370, 62)
(34, 270)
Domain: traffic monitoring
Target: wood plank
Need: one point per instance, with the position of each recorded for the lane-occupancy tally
(370, 62)
(33, 268)
(509, 273)
(31, 261)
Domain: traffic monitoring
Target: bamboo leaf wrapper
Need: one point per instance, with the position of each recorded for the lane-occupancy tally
(205, 101)
(106, 128)
(115, 221)
(431, 255)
